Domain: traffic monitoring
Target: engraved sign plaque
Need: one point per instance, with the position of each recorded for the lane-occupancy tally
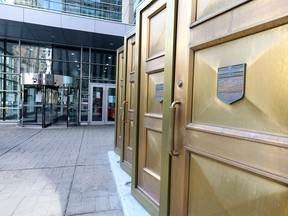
(159, 92)
(231, 83)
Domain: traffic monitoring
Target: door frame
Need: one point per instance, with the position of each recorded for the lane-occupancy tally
(105, 87)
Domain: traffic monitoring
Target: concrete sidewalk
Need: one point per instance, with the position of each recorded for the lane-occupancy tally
(57, 171)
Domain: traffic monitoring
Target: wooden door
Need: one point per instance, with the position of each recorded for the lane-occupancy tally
(155, 43)
(126, 159)
(119, 99)
(233, 116)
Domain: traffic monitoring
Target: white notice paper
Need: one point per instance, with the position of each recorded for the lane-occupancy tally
(38, 98)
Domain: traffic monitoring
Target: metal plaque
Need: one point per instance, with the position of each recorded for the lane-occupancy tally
(231, 83)
(159, 92)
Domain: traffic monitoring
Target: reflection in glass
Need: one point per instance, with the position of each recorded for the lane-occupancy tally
(12, 49)
(66, 54)
(32, 107)
(66, 68)
(73, 100)
(29, 65)
(111, 104)
(103, 72)
(97, 104)
(36, 51)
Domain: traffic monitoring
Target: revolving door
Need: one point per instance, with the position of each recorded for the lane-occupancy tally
(47, 105)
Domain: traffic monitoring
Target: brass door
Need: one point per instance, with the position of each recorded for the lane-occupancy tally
(235, 155)
(126, 160)
(119, 99)
(154, 44)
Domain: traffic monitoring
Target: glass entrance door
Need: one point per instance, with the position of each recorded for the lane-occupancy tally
(103, 104)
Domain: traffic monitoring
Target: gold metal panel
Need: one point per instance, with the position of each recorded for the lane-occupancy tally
(130, 134)
(220, 189)
(133, 55)
(120, 98)
(153, 122)
(249, 18)
(266, 159)
(132, 92)
(129, 70)
(264, 107)
(155, 64)
(205, 8)
(153, 154)
(157, 30)
(153, 105)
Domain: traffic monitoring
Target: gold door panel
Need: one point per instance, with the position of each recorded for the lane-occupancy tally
(152, 62)
(263, 108)
(120, 99)
(219, 189)
(129, 107)
(238, 152)
(157, 33)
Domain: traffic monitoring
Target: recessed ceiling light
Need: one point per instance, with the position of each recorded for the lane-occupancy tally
(72, 53)
(111, 44)
(109, 57)
(107, 64)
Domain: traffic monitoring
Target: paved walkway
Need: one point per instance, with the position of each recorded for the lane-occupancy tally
(57, 171)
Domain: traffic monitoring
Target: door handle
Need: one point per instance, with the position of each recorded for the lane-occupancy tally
(172, 112)
(124, 110)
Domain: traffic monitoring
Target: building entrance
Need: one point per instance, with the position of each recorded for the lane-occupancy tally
(103, 104)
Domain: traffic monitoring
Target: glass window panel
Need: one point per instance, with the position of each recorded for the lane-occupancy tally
(97, 71)
(11, 65)
(84, 102)
(1, 81)
(66, 68)
(11, 114)
(56, 5)
(1, 48)
(85, 70)
(64, 54)
(103, 58)
(12, 99)
(84, 116)
(36, 51)
(85, 57)
(35, 66)
(109, 73)
(12, 82)
(73, 9)
(1, 63)
(1, 112)
(1, 98)
(12, 49)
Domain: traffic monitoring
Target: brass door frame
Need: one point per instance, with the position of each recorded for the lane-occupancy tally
(118, 123)
(171, 8)
(127, 168)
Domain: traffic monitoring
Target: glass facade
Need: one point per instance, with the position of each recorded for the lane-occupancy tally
(10, 91)
(103, 9)
(72, 69)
